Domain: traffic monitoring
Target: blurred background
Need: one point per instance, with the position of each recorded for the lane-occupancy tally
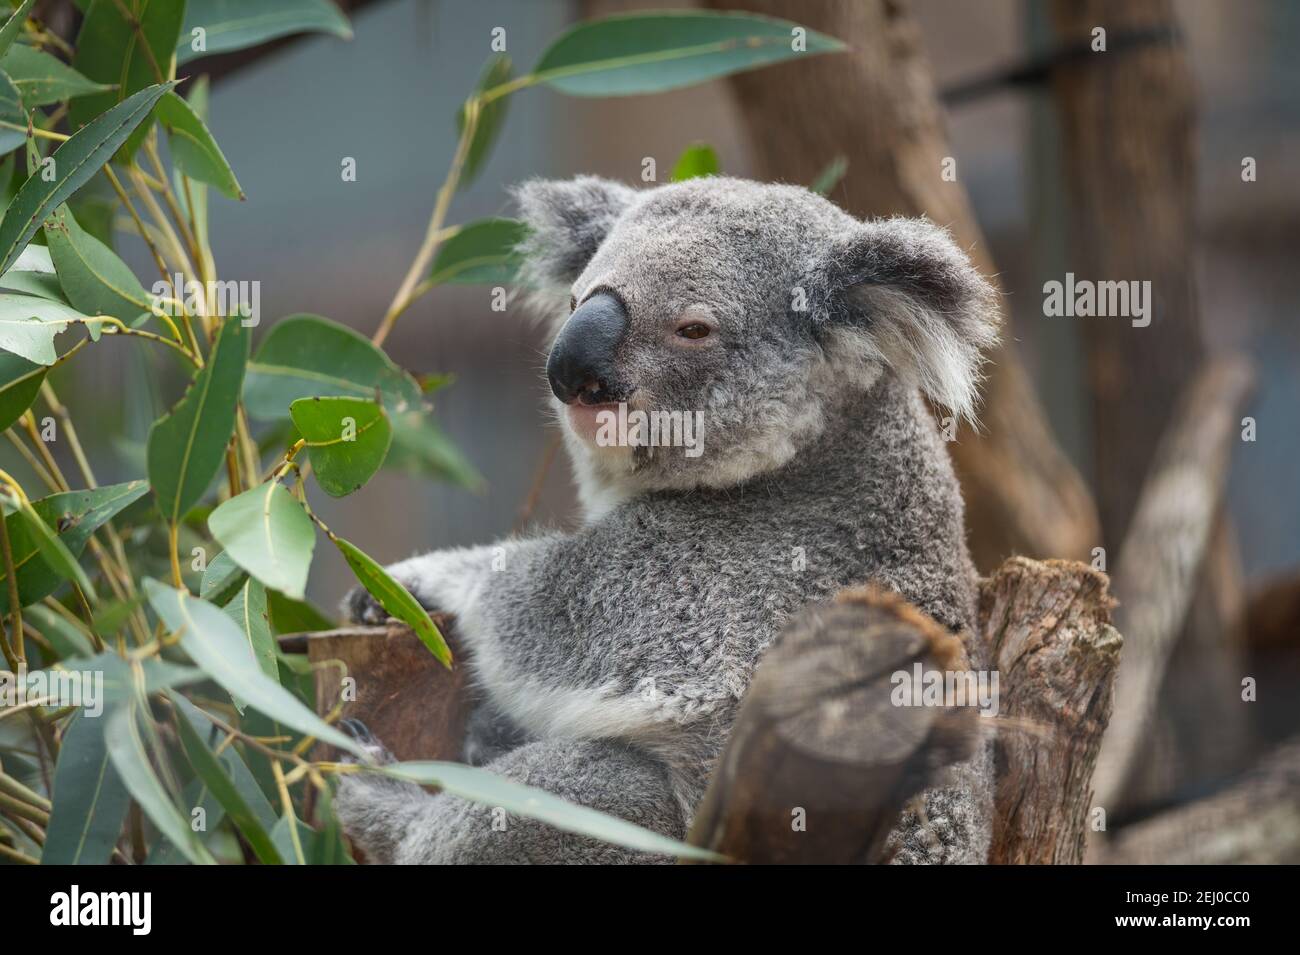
(288, 118)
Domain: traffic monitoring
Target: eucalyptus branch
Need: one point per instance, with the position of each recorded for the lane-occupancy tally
(14, 651)
(433, 234)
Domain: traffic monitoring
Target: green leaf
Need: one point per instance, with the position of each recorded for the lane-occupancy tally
(248, 609)
(421, 447)
(43, 79)
(217, 647)
(306, 356)
(223, 787)
(696, 161)
(28, 325)
(490, 119)
(487, 788)
(222, 579)
(348, 439)
(295, 616)
(830, 177)
(194, 151)
(129, 44)
(119, 678)
(93, 278)
(267, 533)
(33, 274)
(653, 52)
(395, 598)
(69, 641)
(187, 446)
(126, 748)
(480, 253)
(14, 25)
(75, 515)
(13, 116)
(54, 551)
(20, 381)
(75, 162)
(90, 801)
(236, 24)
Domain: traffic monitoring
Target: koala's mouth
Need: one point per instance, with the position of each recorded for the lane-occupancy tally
(595, 422)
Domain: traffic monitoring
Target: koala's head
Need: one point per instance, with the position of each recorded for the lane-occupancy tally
(759, 307)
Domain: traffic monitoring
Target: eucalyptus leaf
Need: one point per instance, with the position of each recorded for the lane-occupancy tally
(127, 44)
(76, 160)
(306, 356)
(130, 757)
(695, 161)
(20, 382)
(653, 52)
(480, 253)
(830, 177)
(13, 116)
(187, 447)
(90, 801)
(237, 24)
(347, 439)
(92, 276)
(491, 117)
(14, 25)
(266, 532)
(223, 787)
(222, 579)
(248, 609)
(488, 788)
(43, 79)
(194, 151)
(74, 515)
(395, 598)
(217, 647)
(28, 325)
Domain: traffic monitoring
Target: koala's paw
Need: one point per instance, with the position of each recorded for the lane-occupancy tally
(376, 751)
(359, 606)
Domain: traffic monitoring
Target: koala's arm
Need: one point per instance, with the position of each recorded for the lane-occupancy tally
(398, 822)
(444, 581)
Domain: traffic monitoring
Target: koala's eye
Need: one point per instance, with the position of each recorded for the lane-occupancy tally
(694, 331)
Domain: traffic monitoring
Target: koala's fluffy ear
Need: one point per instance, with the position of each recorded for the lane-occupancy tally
(567, 220)
(899, 291)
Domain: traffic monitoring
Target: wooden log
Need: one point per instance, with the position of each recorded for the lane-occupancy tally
(412, 703)
(1158, 564)
(820, 760)
(1253, 821)
(877, 106)
(1047, 627)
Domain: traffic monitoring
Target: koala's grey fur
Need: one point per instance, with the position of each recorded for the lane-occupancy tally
(612, 659)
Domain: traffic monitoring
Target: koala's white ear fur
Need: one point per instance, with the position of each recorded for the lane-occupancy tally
(908, 297)
(567, 221)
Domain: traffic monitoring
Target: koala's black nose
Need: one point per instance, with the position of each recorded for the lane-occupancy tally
(581, 363)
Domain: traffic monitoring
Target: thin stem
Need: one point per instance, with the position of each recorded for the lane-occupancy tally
(14, 855)
(432, 238)
(287, 803)
(14, 651)
(139, 223)
(173, 539)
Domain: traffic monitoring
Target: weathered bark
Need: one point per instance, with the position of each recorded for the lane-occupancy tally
(1162, 555)
(1047, 627)
(820, 760)
(876, 105)
(1255, 820)
(412, 703)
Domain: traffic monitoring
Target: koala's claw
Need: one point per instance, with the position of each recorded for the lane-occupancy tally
(375, 750)
(360, 606)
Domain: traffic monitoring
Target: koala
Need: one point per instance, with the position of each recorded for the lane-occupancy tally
(611, 660)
